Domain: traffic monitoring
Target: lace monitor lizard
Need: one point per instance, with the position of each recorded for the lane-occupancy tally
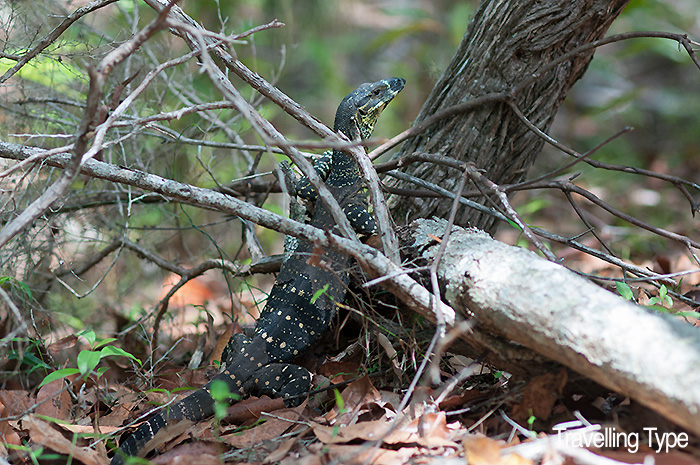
(290, 321)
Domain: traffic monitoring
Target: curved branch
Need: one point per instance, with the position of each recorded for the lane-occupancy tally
(405, 287)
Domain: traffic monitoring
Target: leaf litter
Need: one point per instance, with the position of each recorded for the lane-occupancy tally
(492, 419)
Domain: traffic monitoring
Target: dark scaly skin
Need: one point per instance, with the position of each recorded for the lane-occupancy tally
(290, 323)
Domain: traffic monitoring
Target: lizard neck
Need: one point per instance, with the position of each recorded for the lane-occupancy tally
(344, 170)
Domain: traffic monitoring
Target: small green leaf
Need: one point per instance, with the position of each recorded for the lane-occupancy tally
(339, 400)
(88, 360)
(319, 293)
(219, 391)
(88, 335)
(531, 420)
(111, 350)
(22, 285)
(689, 314)
(29, 359)
(12, 282)
(58, 374)
(624, 290)
(104, 341)
(220, 409)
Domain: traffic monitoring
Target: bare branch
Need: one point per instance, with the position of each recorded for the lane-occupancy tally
(478, 179)
(53, 35)
(405, 287)
(507, 95)
(80, 151)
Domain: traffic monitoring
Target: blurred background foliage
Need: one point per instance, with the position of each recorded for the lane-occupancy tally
(323, 52)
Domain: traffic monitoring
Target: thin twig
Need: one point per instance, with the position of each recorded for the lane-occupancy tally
(53, 35)
(479, 179)
(675, 180)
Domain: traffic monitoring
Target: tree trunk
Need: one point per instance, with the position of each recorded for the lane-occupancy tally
(506, 42)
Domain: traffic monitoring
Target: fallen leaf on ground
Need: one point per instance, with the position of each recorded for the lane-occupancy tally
(54, 401)
(249, 410)
(44, 434)
(201, 453)
(356, 397)
(273, 428)
(539, 396)
(481, 450)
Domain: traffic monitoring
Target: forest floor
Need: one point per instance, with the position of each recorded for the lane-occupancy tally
(489, 418)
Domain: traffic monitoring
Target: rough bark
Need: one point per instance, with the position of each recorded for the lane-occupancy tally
(506, 42)
(518, 296)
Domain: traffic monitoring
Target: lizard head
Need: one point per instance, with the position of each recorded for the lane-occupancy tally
(360, 109)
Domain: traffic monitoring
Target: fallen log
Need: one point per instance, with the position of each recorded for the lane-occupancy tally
(513, 294)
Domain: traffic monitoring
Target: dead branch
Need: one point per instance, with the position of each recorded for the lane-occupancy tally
(516, 295)
(402, 285)
(496, 97)
(81, 152)
(189, 30)
(53, 35)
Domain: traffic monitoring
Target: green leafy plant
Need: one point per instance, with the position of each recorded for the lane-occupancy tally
(219, 391)
(531, 420)
(319, 293)
(88, 360)
(624, 290)
(34, 454)
(7, 282)
(26, 356)
(663, 300)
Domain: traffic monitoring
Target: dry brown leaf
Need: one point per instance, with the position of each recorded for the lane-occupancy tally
(368, 455)
(429, 430)
(128, 401)
(15, 402)
(281, 452)
(164, 435)
(366, 430)
(8, 435)
(481, 450)
(201, 453)
(55, 402)
(201, 431)
(87, 430)
(391, 353)
(44, 434)
(339, 372)
(356, 397)
(221, 344)
(63, 344)
(464, 398)
(251, 408)
(539, 396)
(271, 429)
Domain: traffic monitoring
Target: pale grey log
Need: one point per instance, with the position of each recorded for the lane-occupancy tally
(514, 293)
